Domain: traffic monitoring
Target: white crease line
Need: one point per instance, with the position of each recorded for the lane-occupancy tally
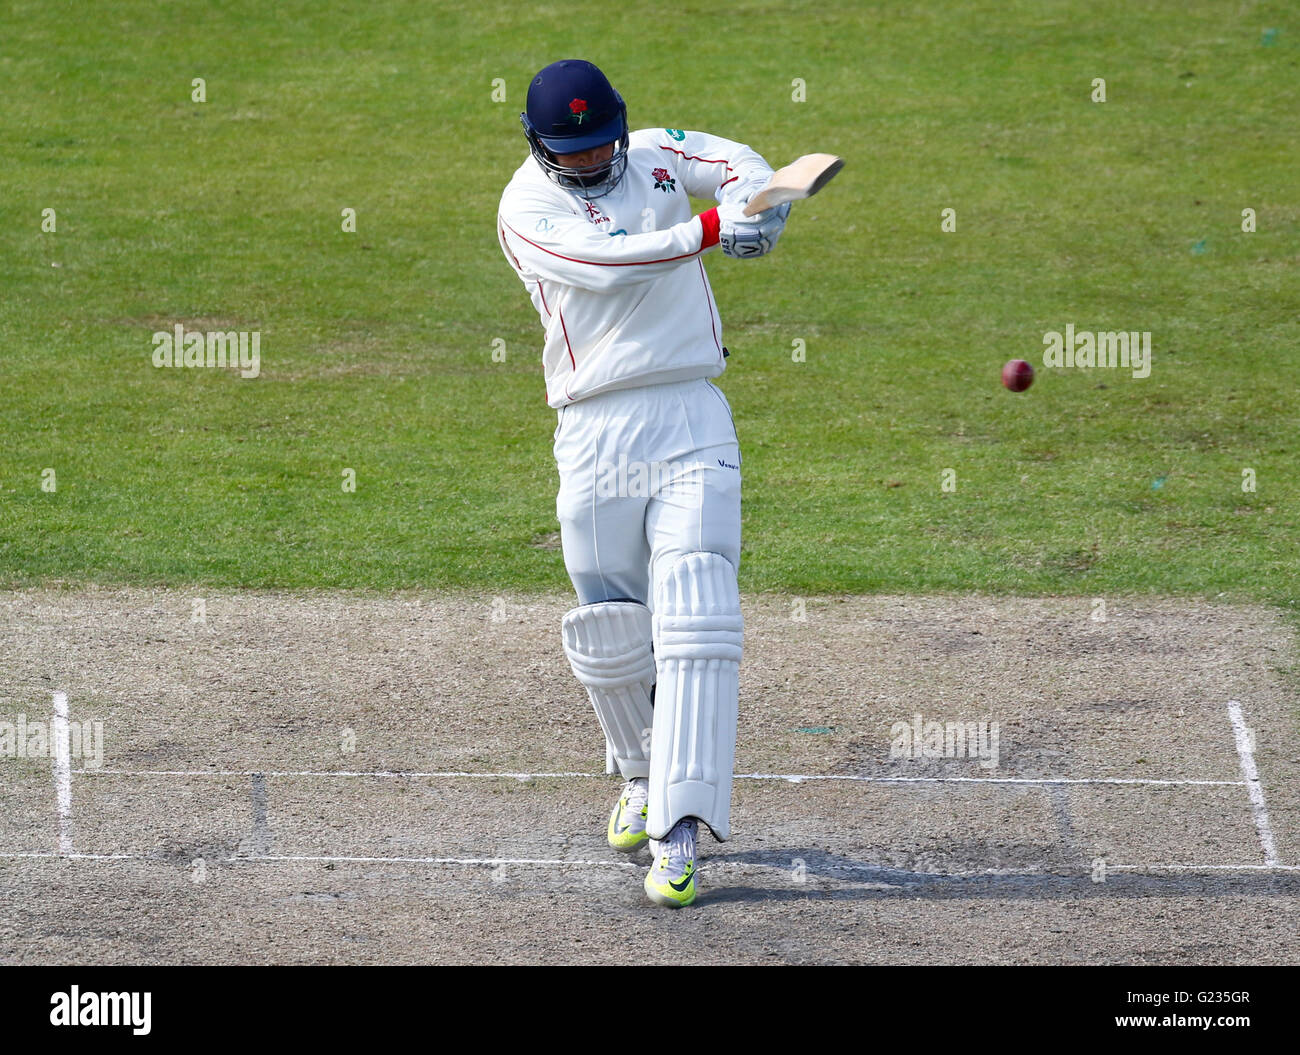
(893, 871)
(1203, 868)
(431, 860)
(799, 779)
(320, 773)
(791, 778)
(1245, 751)
(51, 856)
(61, 761)
(705, 864)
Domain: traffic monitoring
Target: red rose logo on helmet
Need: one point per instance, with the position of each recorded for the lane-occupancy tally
(572, 109)
(663, 181)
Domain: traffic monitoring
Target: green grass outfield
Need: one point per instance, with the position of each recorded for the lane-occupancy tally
(377, 346)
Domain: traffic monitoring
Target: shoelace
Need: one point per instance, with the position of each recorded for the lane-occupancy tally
(681, 842)
(637, 793)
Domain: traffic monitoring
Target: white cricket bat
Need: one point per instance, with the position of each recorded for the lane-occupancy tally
(802, 178)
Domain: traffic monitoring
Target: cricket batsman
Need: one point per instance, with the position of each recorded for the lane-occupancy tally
(597, 224)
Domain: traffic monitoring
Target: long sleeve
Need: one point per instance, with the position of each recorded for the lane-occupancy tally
(567, 249)
(708, 164)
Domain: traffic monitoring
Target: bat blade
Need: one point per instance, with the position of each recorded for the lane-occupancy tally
(802, 178)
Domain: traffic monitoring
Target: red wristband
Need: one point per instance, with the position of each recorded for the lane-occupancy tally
(709, 221)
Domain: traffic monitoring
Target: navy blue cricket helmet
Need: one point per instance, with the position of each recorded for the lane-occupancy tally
(572, 107)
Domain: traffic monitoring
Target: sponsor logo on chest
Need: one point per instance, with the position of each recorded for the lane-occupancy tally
(594, 215)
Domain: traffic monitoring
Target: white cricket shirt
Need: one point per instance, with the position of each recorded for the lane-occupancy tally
(618, 281)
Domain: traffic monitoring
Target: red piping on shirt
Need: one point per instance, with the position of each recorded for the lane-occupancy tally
(696, 157)
(572, 362)
(503, 242)
(709, 301)
(707, 161)
(603, 263)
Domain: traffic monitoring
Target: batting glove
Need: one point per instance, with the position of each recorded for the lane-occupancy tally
(744, 237)
(739, 191)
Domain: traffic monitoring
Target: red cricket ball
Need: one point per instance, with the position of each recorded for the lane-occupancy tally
(1017, 375)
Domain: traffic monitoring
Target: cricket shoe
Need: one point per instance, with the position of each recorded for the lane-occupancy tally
(627, 832)
(671, 881)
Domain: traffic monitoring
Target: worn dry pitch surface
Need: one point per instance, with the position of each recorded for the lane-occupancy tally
(325, 778)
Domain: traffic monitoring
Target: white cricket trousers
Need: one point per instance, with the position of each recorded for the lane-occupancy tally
(646, 476)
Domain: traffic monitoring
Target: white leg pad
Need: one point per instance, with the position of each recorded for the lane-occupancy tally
(699, 636)
(608, 645)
